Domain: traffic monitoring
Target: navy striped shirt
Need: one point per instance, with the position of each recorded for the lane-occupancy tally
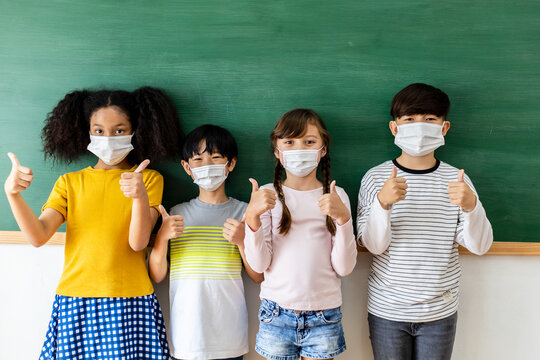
(415, 271)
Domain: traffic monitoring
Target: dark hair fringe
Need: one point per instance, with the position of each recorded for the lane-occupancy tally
(420, 98)
(217, 140)
(153, 117)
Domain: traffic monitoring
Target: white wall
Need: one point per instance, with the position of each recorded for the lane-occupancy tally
(499, 315)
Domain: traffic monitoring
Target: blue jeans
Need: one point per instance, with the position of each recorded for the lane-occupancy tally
(285, 334)
(396, 340)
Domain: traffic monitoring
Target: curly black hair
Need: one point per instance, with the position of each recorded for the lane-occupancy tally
(154, 121)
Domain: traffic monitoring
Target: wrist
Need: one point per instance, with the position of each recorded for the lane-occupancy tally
(343, 219)
(384, 205)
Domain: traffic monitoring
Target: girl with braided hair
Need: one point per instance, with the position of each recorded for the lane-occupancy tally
(299, 233)
(105, 306)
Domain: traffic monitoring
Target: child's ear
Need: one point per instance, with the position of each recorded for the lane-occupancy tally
(232, 164)
(393, 127)
(185, 165)
(276, 153)
(446, 127)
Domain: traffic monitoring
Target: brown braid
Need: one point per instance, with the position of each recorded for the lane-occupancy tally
(326, 179)
(285, 222)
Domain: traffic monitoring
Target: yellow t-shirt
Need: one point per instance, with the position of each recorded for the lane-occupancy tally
(98, 259)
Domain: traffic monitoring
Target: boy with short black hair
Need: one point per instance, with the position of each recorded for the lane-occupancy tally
(413, 212)
(208, 308)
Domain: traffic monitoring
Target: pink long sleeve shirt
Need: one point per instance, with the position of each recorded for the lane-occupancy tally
(302, 269)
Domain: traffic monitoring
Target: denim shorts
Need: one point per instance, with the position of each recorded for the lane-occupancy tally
(285, 334)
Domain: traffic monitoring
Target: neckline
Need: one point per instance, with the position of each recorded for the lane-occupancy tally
(413, 171)
(207, 205)
(90, 168)
(290, 188)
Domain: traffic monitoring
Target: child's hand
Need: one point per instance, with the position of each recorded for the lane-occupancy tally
(172, 226)
(132, 184)
(331, 205)
(460, 193)
(393, 190)
(234, 231)
(261, 200)
(19, 178)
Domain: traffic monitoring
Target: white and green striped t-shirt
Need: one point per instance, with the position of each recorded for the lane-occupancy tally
(208, 308)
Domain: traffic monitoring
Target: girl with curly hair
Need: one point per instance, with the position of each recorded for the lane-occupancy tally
(105, 306)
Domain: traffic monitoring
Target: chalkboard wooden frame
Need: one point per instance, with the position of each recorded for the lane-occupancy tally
(498, 248)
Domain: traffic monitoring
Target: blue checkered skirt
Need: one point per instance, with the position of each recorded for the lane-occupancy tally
(106, 328)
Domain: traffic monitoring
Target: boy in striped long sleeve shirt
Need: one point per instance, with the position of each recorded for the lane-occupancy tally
(413, 212)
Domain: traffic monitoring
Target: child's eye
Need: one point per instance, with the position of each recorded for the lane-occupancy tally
(119, 131)
(288, 142)
(310, 142)
(98, 131)
(409, 119)
(431, 119)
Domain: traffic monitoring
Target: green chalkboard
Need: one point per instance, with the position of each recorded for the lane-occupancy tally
(241, 64)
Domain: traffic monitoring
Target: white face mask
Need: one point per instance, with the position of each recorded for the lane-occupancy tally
(300, 162)
(209, 177)
(110, 149)
(419, 138)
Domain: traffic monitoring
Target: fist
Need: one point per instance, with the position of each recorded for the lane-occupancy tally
(19, 178)
(261, 200)
(234, 231)
(460, 193)
(393, 190)
(132, 184)
(171, 226)
(331, 205)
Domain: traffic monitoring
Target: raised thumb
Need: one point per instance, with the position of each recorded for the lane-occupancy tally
(460, 175)
(333, 187)
(14, 160)
(163, 212)
(254, 185)
(142, 166)
(394, 172)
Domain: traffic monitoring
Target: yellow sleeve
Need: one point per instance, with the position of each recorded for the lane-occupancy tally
(153, 181)
(58, 197)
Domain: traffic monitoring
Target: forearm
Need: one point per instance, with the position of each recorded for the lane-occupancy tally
(253, 275)
(157, 263)
(477, 231)
(34, 230)
(257, 253)
(141, 224)
(377, 234)
(344, 252)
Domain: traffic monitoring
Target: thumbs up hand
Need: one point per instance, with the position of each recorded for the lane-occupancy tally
(460, 193)
(393, 190)
(331, 205)
(261, 201)
(132, 184)
(234, 231)
(19, 178)
(172, 226)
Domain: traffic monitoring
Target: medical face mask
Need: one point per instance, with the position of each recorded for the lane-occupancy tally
(300, 162)
(419, 138)
(110, 149)
(209, 177)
